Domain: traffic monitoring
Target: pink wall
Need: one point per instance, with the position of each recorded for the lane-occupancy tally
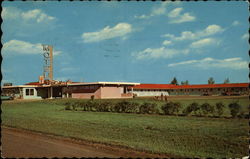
(104, 92)
(110, 92)
(97, 95)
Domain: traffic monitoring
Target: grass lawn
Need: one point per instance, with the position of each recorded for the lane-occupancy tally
(177, 136)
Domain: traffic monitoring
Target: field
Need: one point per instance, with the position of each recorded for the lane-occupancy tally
(181, 136)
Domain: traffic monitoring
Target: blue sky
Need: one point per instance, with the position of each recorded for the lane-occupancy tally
(145, 42)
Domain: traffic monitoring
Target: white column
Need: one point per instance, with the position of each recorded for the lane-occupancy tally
(51, 92)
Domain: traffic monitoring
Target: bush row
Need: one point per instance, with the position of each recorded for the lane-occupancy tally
(168, 108)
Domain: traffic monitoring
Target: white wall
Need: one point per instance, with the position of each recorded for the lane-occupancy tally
(30, 97)
(150, 93)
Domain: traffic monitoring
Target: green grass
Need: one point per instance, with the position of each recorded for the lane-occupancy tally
(177, 136)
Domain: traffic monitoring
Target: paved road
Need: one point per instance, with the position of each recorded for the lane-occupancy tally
(20, 144)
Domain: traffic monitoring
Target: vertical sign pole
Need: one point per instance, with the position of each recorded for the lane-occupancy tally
(51, 63)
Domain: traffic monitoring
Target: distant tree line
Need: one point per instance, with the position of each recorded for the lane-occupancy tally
(210, 81)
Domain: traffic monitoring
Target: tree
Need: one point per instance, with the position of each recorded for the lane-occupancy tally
(226, 81)
(174, 81)
(185, 82)
(211, 80)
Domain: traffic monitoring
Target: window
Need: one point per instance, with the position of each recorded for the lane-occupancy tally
(31, 92)
(27, 92)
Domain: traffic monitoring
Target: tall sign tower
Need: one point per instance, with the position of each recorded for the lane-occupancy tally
(48, 62)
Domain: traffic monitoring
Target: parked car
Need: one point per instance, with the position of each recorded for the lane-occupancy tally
(7, 98)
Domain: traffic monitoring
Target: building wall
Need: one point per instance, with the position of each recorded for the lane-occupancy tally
(194, 92)
(141, 93)
(34, 96)
(111, 92)
(96, 94)
(42, 92)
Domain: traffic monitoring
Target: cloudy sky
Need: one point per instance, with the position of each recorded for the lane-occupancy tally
(146, 42)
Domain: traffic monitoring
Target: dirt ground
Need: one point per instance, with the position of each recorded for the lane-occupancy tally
(18, 143)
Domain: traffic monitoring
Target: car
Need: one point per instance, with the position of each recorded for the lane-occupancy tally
(7, 98)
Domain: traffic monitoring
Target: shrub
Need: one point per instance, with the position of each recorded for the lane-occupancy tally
(234, 109)
(103, 106)
(90, 105)
(132, 107)
(207, 108)
(76, 105)
(148, 108)
(171, 108)
(83, 105)
(193, 107)
(219, 107)
(119, 107)
(124, 106)
(67, 107)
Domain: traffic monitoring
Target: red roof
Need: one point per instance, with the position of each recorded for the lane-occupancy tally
(171, 86)
(33, 83)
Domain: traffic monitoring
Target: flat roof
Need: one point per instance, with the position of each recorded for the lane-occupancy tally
(103, 83)
(26, 86)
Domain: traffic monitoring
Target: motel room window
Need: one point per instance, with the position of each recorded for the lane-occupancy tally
(31, 92)
(27, 92)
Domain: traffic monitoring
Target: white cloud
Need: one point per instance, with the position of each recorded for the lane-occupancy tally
(120, 30)
(22, 47)
(207, 63)
(204, 42)
(156, 11)
(235, 23)
(188, 35)
(10, 13)
(161, 52)
(166, 42)
(245, 36)
(36, 15)
(142, 16)
(159, 10)
(176, 16)
(175, 13)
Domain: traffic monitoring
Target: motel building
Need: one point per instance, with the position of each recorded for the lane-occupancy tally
(111, 90)
(191, 90)
(96, 90)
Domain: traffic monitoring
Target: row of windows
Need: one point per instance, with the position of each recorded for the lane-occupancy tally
(29, 92)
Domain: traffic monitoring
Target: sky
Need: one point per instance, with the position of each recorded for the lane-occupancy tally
(145, 42)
